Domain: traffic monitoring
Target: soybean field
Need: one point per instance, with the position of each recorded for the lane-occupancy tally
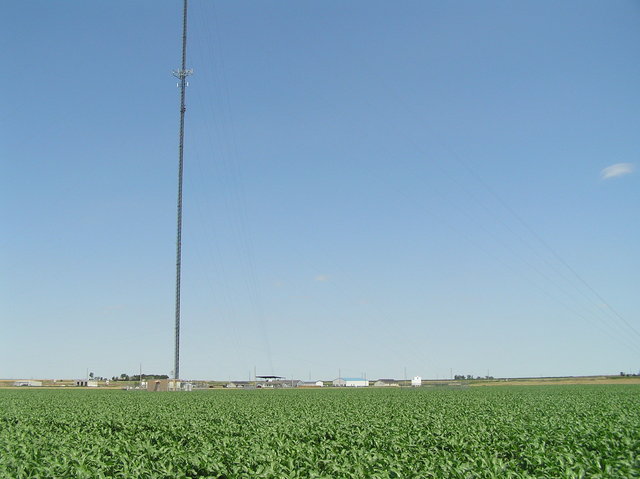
(492, 432)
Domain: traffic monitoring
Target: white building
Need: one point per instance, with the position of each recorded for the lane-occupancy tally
(350, 382)
(310, 384)
(86, 383)
(416, 381)
(386, 383)
(240, 384)
(28, 383)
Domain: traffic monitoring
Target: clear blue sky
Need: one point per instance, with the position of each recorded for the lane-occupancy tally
(369, 186)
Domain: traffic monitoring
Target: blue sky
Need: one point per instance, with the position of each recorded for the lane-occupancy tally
(369, 186)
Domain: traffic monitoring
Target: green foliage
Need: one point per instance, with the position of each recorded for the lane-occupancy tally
(501, 432)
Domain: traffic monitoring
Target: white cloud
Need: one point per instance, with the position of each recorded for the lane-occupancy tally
(619, 169)
(322, 277)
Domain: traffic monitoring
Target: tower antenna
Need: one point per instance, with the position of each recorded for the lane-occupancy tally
(181, 75)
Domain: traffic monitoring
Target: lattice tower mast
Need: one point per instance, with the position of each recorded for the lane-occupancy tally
(182, 75)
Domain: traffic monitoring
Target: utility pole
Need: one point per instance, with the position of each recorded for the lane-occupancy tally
(181, 75)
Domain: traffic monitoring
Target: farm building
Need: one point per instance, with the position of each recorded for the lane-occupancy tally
(240, 385)
(386, 383)
(271, 382)
(28, 383)
(284, 383)
(310, 384)
(270, 379)
(416, 381)
(350, 382)
(163, 385)
(85, 383)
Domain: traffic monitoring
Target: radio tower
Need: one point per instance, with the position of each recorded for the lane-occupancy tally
(181, 75)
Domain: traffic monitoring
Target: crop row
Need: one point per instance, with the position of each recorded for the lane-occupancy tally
(502, 432)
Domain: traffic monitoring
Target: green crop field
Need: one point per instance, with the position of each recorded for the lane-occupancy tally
(501, 432)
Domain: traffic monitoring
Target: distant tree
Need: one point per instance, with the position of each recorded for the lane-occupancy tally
(622, 373)
(91, 375)
(469, 376)
(124, 377)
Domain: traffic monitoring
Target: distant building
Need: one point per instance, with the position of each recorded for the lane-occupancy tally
(85, 383)
(240, 384)
(28, 383)
(163, 385)
(310, 384)
(350, 382)
(416, 381)
(275, 382)
(386, 383)
(270, 379)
